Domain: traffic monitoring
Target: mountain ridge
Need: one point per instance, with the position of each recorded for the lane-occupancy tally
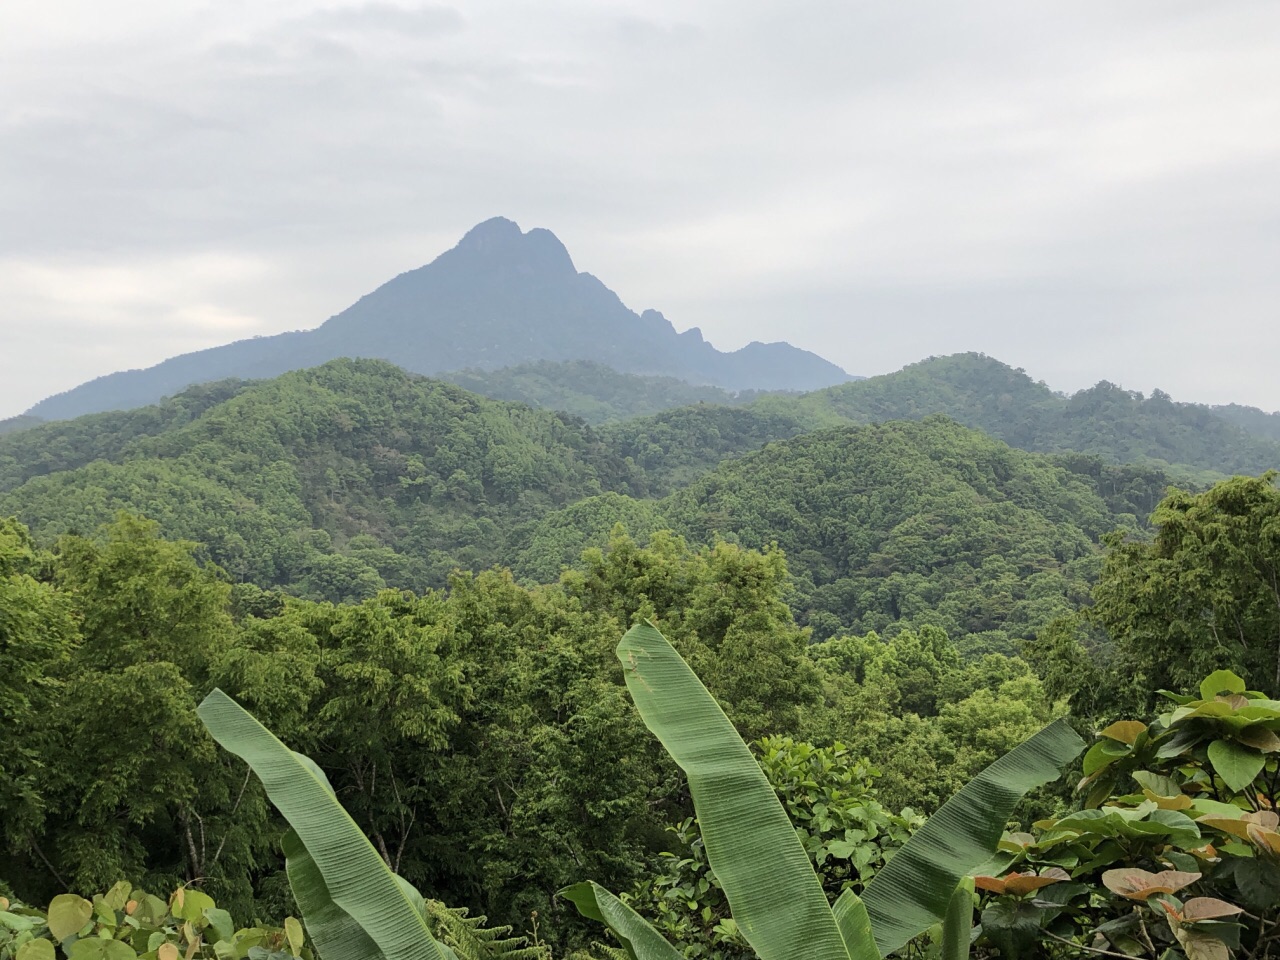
(500, 297)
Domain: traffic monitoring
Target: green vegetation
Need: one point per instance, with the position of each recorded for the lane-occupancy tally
(21, 422)
(777, 902)
(882, 610)
(885, 527)
(1203, 594)
(407, 702)
(1121, 426)
(335, 481)
(126, 922)
(1175, 847)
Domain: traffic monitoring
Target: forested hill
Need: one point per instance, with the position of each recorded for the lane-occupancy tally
(338, 481)
(21, 422)
(500, 297)
(906, 523)
(335, 481)
(1251, 419)
(1119, 426)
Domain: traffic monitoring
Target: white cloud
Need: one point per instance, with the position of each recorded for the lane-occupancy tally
(1079, 188)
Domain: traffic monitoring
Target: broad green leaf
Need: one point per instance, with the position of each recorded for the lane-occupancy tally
(190, 904)
(1102, 753)
(1014, 926)
(344, 867)
(118, 895)
(855, 925)
(1260, 738)
(333, 931)
(957, 924)
(293, 932)
(752, 847)
(638, 938)
(96, 948)
(914, 889)
(36, 950)
(150, 910)
(1125, 731)
(1220, 681)
(1236, 765)
(220, 921)
(1157, 783)
(67, 914)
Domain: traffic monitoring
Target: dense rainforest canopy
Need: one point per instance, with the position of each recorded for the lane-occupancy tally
(893, 582)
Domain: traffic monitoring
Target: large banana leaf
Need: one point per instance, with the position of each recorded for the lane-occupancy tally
(913, 890)
(333, 932)
(855, 925)
(335, 871)
(958, 924)
(638, 938)
(773, 893)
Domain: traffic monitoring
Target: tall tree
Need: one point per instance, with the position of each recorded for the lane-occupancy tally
(1204, 594)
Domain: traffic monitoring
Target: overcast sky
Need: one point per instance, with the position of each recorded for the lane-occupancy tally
(1089, 190)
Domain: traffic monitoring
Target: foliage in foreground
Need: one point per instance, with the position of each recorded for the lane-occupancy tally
(354, 905)
(408, 702)
(127, 923)
(1176, 851)
(830, 796)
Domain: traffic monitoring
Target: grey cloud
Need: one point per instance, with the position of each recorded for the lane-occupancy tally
(1079, 188)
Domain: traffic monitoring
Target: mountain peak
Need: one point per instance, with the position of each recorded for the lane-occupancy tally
(501, 240)
(491, 233)
(501, 297)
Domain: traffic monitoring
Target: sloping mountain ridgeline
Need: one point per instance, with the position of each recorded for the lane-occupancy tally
(335, 482)
(499, 298)
(1193, 443)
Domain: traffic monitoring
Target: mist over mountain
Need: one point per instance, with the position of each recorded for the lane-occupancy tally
(501, 297)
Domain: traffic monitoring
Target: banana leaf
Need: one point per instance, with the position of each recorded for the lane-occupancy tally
(914, 889)
(638, 938)
(958, 924)
(855, 925)
(336, 869)
(774, 895)
(332, 930)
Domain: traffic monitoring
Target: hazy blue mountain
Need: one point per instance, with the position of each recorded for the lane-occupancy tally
(500, 298)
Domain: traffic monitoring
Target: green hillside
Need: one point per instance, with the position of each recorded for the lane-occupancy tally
(1192, 443)
(1251, 420)
(1118, 425)
(907, 523)
(336, 481)
(21, 422)
(888, 606)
